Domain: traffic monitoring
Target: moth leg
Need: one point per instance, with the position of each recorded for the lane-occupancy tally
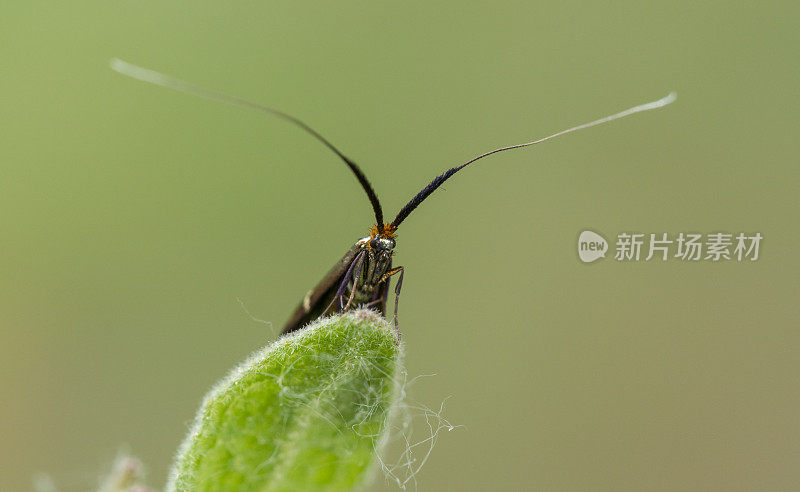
(356, 275)
(397, 289)
(358, 260)
(390, 273)
(372, 303)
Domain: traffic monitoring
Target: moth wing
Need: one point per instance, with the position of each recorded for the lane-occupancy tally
(315, 302)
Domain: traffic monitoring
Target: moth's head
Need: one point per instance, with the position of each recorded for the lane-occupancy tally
(382, 240)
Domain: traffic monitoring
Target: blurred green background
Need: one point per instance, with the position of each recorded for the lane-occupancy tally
(133, 218)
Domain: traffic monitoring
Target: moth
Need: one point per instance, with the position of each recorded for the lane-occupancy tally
(362, 277)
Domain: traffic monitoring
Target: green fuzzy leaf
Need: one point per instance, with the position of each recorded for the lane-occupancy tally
(305, 413)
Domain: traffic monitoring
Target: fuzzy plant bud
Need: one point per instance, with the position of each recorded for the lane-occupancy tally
(308, 412)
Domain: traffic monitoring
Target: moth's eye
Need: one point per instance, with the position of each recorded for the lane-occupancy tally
(383, 243)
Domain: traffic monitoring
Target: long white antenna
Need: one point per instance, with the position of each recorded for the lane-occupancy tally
(437, 181)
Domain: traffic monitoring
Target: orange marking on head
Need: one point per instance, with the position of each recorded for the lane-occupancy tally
(388, 231)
